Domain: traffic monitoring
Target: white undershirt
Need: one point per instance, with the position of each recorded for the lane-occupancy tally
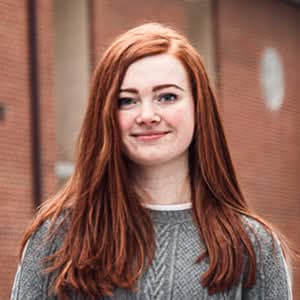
(180, 206)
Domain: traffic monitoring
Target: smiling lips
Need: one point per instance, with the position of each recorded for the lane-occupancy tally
(150, 135)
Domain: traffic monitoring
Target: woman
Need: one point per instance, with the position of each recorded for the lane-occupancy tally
(153, 209)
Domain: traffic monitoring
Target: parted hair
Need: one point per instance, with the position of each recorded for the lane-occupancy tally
(109, 237)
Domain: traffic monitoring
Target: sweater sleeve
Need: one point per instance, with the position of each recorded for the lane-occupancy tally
(272, 276)
(30, 280)
(274, 273)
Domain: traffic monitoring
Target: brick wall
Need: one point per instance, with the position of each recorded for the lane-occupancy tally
(118, 16)
(46, 98)
(265, 143)
(15, 130)
(15, 153)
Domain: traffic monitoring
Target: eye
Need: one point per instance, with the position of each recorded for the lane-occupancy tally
(125, 102)
(167, 97)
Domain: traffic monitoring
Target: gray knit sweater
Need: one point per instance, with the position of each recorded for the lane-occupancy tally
(173, 273)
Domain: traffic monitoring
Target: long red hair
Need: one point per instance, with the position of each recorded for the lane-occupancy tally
(109, 240)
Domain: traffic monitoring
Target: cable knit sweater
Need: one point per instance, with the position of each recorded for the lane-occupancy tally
(173, 273)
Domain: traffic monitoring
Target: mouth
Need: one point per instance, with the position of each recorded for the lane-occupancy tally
(150, 136)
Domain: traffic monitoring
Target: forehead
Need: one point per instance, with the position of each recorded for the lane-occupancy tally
(155, 70)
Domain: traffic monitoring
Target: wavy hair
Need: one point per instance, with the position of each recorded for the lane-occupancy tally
(109, 240)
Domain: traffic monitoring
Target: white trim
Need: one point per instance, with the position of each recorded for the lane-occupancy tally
(169, 207)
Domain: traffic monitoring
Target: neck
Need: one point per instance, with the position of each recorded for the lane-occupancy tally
(164, 184)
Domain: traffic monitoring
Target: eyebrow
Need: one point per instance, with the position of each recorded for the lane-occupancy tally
(155, 88)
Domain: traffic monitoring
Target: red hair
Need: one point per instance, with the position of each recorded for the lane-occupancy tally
(109, 239)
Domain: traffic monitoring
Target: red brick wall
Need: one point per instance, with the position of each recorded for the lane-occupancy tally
(15, 149)
(265, 144)
(112, 17)
(15, 130)
(47, 103)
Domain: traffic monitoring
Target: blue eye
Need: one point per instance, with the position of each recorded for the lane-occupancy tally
(125, 102)
(169, 97)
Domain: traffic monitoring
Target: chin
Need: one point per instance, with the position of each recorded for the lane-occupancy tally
(149, 162)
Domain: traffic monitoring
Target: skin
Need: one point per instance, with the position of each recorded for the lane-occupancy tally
(156, 118)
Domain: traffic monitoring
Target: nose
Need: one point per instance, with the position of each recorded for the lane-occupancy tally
(147, 114)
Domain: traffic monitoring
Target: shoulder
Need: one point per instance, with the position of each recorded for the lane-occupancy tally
(273, 278)
(259, 233)
(264, 239)
(46, 239)
(31, 280)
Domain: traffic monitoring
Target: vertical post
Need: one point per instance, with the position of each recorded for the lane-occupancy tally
(34, 94)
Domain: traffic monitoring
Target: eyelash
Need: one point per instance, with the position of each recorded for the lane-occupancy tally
(128, 102)
(174, 97)
(122, 101)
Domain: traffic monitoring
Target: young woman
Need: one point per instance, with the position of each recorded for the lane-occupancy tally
(153, 209)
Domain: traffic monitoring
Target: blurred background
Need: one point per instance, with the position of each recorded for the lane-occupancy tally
(49, 49)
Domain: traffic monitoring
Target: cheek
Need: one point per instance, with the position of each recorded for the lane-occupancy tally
(125, 121)
(183, 119)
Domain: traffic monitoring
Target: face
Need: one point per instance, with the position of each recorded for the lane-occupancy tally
(156, 111)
